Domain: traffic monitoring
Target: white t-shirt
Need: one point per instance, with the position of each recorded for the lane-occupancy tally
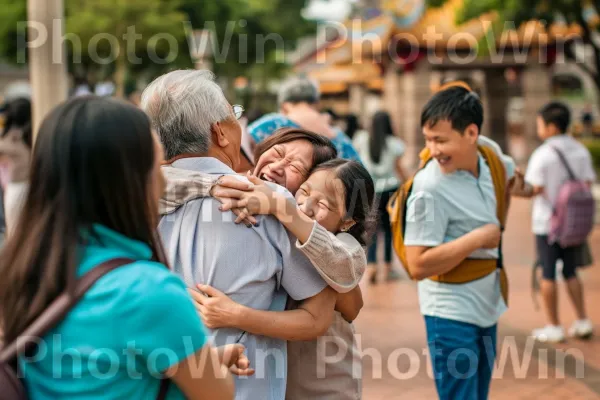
(545, 169)
(384, 172)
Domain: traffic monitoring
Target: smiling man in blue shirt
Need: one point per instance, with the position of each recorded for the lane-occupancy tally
(452, 216)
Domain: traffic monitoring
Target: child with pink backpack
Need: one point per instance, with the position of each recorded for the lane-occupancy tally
(559, 178)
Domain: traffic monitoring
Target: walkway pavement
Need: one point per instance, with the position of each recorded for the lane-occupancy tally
(397, 366)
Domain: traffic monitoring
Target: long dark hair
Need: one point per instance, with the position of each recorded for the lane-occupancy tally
(17, 115)
(360, 194)
(352, 125)
(91, 164)
(323, 148)
(381, 129)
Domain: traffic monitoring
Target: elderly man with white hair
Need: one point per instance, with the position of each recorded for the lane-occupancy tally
(257, 266)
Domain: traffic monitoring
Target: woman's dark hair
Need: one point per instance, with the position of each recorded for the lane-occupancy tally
(352, 125)
(332, 114)
(17, 116)
(91, 164)
(556, 113)
(381, 129)
(323, 148)
(360, 194)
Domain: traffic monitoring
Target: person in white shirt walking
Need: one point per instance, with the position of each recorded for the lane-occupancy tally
(381, 153)
(546, 173)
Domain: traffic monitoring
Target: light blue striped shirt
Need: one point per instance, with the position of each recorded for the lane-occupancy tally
(257, 267)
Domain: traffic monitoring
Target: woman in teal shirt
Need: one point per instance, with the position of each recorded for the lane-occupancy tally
(94, 190)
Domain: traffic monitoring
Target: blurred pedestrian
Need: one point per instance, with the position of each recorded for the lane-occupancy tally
(587, 119)
(381, 152)
(298, 100)
(352, 125)
(559, 160)
(15, 139)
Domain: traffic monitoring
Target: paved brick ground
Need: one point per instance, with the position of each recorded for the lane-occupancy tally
(391, 323)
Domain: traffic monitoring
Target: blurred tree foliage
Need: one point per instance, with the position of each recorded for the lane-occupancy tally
(251, 36)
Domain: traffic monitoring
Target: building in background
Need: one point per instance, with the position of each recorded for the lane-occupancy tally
(394, 54)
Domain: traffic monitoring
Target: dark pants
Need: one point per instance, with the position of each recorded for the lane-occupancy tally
(548, 254)
(462, 356)
(383, 225)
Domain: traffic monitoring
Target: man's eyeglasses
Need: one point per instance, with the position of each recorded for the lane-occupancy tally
(238, 111)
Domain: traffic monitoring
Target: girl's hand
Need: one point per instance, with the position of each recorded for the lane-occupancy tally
(215, 308)
(262, 200)
(232, 356)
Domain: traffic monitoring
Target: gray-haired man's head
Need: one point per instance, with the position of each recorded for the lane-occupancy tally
(298, 90)
(185, 106)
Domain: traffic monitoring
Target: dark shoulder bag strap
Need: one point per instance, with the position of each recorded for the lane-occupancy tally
(564, 162)
(58, 309)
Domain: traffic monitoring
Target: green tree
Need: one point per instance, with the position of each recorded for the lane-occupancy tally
(99, 40)
(149, 27)
(252, 35)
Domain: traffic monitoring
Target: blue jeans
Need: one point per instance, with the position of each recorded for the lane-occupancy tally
(462, 356)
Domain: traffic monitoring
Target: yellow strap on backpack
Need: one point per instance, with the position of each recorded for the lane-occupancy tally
(470, 269)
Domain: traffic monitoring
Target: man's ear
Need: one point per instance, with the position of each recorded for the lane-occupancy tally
(218, 135)
(285, 108)
(472, 133)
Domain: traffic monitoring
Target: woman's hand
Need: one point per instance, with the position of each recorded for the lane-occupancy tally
(261, 200)
(232, 356)
(216, 309)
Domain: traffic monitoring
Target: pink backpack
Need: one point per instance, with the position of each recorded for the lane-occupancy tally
(573, 217)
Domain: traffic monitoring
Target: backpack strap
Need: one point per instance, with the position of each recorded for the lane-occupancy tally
(499, 179)
(397, 210)
(58, 309)
(564, 162)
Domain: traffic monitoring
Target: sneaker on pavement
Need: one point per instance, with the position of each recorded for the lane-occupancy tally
(549, 334)
(581, 329)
